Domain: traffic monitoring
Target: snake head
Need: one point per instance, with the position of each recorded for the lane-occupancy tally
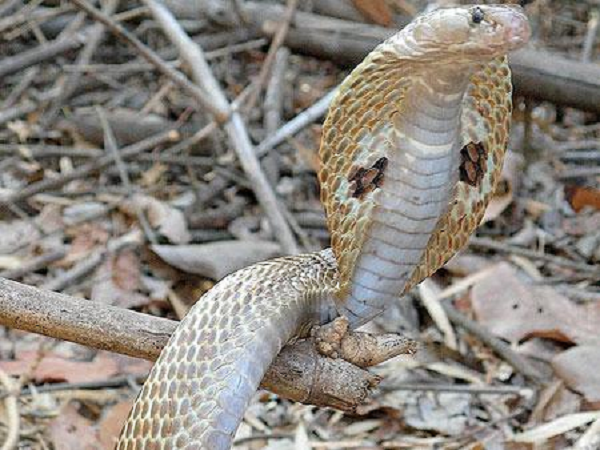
(467, 34)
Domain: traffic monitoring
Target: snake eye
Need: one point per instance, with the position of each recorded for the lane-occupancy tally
(477, 15)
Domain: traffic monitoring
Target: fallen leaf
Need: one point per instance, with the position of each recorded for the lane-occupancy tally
(169, 221)
(128, 125)
(83, 211)
(502, 197)
(511, 309)
(578, 368)
(111, 424)
(216, 259)
(50, 219)
(54, 368)
(127, 365)
(445, 413)
(71, 431)
(118, 281)
(85, 239)
(16, 234)
(580, 197)
(555, 400)
(376, 11)
(582, 224)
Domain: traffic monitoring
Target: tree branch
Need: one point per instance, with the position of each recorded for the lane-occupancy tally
(299, 372)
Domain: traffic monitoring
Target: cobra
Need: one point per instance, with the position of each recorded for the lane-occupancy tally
(412, 148)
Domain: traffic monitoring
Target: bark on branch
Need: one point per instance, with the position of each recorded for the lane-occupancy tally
(299, 372)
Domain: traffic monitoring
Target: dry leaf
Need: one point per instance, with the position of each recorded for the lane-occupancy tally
(16, 234)
(580, 197)
(445, 413)
(512, 173)
(54, 368)
(72, 431)
(129, 126)
(578, 367)
(376, 11)
(85, 239)
(169, 221)
(515, 311)
(118, 281)
(217, 259)
(112, 423)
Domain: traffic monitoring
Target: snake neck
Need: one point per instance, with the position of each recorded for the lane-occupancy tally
(422, 156)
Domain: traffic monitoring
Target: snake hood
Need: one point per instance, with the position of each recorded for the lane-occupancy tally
(411, 150)
(468, 33)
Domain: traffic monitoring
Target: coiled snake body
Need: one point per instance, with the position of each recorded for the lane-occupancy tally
(412, 147)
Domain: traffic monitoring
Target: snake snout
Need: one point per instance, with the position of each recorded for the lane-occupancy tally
(516, 27)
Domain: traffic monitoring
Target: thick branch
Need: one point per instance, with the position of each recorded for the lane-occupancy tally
(298, 373)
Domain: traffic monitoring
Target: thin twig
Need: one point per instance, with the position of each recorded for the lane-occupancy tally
(41, 53)
(506, 248)
(276, 43)
(503, 350)
(303, 119)
(11, 406)
(200, 95)
(466, 389)
(274, 93)
(70, 82)
(110, 143)
(20, 88)
(34, 264)
(89, 168)
(234, 127)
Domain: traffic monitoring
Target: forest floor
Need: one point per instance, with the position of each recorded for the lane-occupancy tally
(117, 186)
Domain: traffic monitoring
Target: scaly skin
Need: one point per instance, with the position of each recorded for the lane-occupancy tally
(412, 148)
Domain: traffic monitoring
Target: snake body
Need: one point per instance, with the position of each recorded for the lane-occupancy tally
(412, 148)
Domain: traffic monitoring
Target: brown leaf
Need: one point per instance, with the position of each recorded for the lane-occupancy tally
(376, 11)
(112, 423)
(126, 365)
(72, 431)
(579, 197)
(86, 238)
(118, 281)
(578, 367)
(515, 311)
(512, 174)
(58, 369)
(126, 270)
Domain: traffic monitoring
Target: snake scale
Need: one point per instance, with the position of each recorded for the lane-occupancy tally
(412, 147)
